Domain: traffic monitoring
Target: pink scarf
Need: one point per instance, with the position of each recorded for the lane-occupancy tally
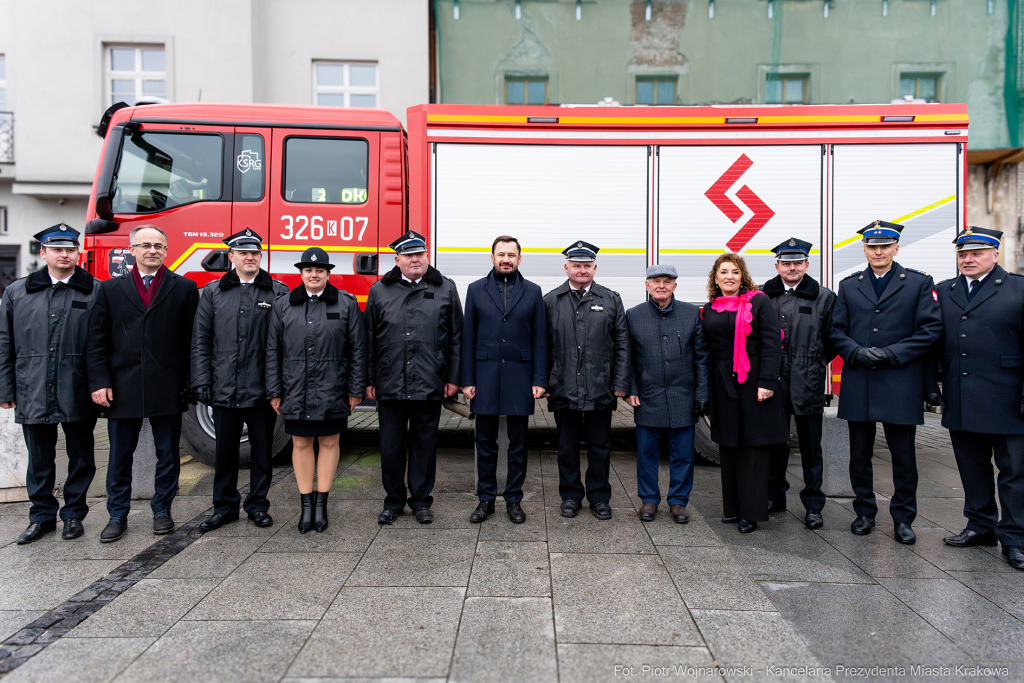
(744, 316)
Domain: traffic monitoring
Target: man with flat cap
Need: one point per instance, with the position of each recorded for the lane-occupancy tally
(885, 322)
(669, 390)
(414, 333)
(805, 314)
(588, 359)
(44, 322)
(980, 361)
(229, 360)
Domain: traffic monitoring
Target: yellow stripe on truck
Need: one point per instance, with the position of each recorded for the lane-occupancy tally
(923, 209)
(537, 250)
(277, 247)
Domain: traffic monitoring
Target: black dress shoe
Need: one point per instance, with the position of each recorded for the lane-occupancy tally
(163, 524)
(774, 507)
(1014, 555)
(35, 531)
(114, 530)
(812, 520)
(484, 510)
(570, 507)
(320, 511)
(305, 512)
(862, 525)
(679, 514)
(601, 510)
(389, 515)
(217, 520)
(969, 539)
(423, 515)
(746, 526)
(515, 513)
(730, 520)
(261, 518)
(72, 529)
(904, 534)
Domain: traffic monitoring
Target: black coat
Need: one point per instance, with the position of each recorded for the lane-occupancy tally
(670, 363)
(504, 348)
(588, 348)
(28, 361)
(142, 354)
(805, 317)
(414, 336)
(981, 354)
(907, 321)
(316, 354)
(229, 339)
(737, 417)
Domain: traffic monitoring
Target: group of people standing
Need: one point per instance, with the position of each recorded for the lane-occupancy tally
(749, 359)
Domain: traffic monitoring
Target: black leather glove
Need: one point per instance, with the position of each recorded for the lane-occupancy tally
(934, 398)
(700, 408)
(202, 395)
(870, 357)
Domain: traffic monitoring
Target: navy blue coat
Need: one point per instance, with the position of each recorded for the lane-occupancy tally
(504, 352)
(907, 321)
(981, 354)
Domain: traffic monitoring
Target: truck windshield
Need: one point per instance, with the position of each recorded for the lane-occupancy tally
(159, 171)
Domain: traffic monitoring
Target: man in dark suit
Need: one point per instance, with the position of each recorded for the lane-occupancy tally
(981, 364)
(885, 322)
(138, 358)
(504, 366)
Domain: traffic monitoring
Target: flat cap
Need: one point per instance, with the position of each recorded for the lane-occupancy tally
(662, 269)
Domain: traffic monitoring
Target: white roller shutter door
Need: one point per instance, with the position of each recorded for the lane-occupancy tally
(547, 196)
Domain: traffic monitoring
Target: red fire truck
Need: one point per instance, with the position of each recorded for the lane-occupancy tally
(673, 185)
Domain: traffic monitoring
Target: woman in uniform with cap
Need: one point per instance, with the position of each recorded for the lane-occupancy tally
(316, 375)
(745, 357)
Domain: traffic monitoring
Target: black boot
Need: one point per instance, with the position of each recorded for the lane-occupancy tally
(320, 513)
(306, 518)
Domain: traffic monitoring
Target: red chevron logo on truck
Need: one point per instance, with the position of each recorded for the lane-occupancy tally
(716, 193)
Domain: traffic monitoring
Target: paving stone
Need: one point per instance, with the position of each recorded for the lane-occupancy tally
(32, 583)
(353, 526)
(584, 533)
(53, 548)
(507, 639)
(271, 586)
(11, 527)
(1004, 589)
(389, 679)
(12, 621)
(417, 557)
(80, 660)
(947, 558)
(879, 556)
(625, 599)
(793, 554)
(360, 480)
(384, 632)
(579, 663)
(148, 608)
(510, 569)
(208, 556)
(248, 652)
(711, 578)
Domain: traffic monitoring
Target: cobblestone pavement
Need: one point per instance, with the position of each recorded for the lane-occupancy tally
(552, 599)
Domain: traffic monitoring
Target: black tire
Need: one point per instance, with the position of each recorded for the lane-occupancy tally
(197, 432)
(703, 444)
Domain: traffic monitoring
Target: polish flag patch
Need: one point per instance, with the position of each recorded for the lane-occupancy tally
(934, 295)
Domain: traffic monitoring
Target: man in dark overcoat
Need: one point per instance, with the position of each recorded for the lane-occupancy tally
(140, 336)
(981, 364)
(805, 315)
(885, 322)
(504, 368)
(588, 370)
(229, 362)
(44, 322)
(414, 338)
(669, 390)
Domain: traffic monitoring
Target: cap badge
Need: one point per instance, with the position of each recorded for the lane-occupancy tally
(792, 242)
(63, 228)
(969, 230)
(579, 244)
(248, 233)
(313, 257)
(877, 225)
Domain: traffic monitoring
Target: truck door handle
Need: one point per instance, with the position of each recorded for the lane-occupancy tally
(366, 264)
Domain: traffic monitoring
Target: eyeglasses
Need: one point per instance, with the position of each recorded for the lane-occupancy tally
(146, 246)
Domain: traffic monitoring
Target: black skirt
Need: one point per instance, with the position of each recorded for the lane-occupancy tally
(309, 428)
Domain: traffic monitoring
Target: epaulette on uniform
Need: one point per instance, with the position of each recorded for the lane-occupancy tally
(449, 279)
(349, 294)
(1015, 274)
(851, 275)
(944, 281)
(919, 272)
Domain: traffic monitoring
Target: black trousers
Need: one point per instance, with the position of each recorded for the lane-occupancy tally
(487, 457)
(41, 440)
(974, 453)
(808, 432)
(595, 428)
(408, 444)
(745, 482)
(228, 424)
(124, 437)
(903, 506)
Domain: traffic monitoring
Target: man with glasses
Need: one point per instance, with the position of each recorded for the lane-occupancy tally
(140, 336)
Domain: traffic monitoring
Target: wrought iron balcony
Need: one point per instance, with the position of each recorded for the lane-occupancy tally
(6, 137)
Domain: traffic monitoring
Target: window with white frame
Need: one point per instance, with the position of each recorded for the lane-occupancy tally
(345, 84)
(136, 72)
(3, 83)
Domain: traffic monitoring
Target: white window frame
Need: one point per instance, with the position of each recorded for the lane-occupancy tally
(3, 83)
(346, 90)
(4, 232)
(138, 75)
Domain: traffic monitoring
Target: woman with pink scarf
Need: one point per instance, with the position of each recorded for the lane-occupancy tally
(745, 356)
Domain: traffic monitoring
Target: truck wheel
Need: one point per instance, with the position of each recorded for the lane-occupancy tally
(703, 444)
(197, 430)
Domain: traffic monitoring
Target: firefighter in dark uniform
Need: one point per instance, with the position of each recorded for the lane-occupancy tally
(229, 363)
(805, 314)
(981, 364)
(44, 322)
(885, 322)
(588, 359)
